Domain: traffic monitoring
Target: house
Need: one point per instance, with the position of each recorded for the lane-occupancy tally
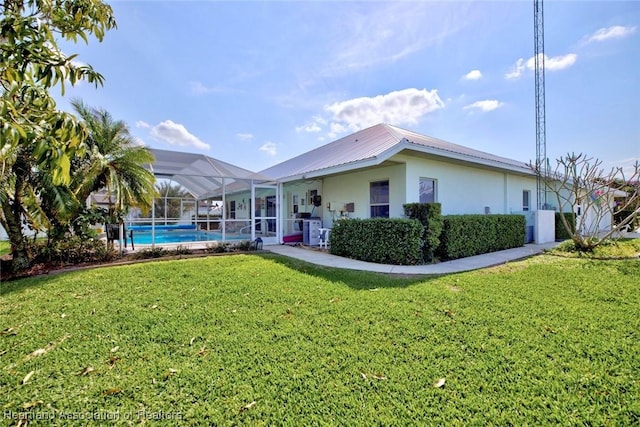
(370, 173)
(375, 171)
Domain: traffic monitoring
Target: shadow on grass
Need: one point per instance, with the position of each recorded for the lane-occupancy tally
(20, 283)
(355, 279)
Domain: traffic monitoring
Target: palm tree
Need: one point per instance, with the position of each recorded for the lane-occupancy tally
(167, 205)
(113, 161)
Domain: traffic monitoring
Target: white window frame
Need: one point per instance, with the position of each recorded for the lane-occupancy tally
(387, 203)
(435, 189)
(526, 207)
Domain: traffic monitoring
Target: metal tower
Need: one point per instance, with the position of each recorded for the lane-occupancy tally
(541, 126)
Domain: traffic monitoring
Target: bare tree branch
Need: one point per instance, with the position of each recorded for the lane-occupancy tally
(582, 186)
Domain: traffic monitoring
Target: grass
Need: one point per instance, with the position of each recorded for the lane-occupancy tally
(265, 340)
(5, 246)
(612, 249)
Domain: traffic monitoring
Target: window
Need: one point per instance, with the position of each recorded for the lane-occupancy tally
(526, 198)
(232, 209)
(379, 199)
(427, 190)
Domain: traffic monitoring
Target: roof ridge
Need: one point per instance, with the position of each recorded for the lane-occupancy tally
(393, 130)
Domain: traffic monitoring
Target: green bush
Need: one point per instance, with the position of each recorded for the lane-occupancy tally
(381, 240)
(243, 245)
(430, 216)
(468, 235)
(154, 252)
(182, 250)
(73, 250)
(217, 247)
(561, 232)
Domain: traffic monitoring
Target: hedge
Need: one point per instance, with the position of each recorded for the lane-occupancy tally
(380, 240)
(468, 235)
(430, 216)
(561, 232)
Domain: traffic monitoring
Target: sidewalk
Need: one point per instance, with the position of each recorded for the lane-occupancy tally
(321, 257)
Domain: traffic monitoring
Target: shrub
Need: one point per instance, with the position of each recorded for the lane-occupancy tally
(468, 235)
(72, 250)
(430, 216)
(561, 232)
(155, 252)
(182, 250)
(566, 246)
(222, 247)
(243, 245)
(216, 247)
(381, 240)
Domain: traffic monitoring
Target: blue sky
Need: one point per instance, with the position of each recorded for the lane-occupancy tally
(256, 83)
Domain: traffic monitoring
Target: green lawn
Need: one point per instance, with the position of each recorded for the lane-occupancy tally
(264, 340)
(5, 246)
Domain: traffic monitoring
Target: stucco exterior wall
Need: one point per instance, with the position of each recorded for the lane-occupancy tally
(460, 189)
(354, 188)
(469, 190)
(515, 185)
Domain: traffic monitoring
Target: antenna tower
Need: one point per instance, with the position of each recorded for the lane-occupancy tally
(541, 126)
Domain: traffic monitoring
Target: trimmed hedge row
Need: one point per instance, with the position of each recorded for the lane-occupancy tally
(430, 216)
(561, 232)
(468, 235)
(381, 240)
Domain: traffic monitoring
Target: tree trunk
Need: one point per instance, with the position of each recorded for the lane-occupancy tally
(13, 226)
(12, 213)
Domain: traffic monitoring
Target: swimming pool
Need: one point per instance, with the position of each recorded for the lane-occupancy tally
(180, 236)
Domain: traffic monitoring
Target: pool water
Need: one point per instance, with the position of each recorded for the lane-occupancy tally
(179, 236)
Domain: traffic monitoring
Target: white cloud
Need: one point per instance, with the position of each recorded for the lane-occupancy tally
(384, 35)
(244, 136)
(142, 124)
(485, 106)
(309, 127)
(315, 126)
(198, 88)
(78, 64)
(554, 63)
(551, 63)
(400, 107)
(613, 32)
(516, 70)
(473, 75)
(176, 134)
(336, 129)
(269, 148)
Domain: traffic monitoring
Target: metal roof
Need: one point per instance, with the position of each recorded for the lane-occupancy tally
(374, 145)
(201, 175)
